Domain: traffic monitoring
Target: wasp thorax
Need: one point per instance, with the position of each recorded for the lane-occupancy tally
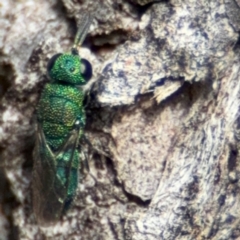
(67, 68)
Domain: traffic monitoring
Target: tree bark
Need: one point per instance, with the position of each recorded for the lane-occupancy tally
(162, 117)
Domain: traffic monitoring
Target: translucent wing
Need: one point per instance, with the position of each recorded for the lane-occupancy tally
(55, 177)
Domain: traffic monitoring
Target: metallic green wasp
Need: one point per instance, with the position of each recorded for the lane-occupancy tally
(61, 119)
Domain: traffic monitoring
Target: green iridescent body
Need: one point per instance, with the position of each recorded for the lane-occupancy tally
(58, 109)
(61, 119)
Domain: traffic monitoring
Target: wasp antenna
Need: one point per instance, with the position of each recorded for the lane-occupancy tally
(83, 27)
(74, 51)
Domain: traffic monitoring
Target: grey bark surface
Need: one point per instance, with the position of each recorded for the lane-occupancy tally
(162, 117)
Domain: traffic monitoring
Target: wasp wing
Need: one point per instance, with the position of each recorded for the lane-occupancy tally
(52, 176)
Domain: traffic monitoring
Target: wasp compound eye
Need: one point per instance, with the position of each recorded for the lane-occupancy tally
(86, 69)
(52, 61)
